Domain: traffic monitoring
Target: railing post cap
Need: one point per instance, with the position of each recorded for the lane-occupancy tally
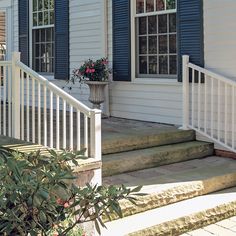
(96, 111)
(16, 55)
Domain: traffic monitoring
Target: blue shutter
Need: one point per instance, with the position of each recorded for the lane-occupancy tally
(61, 39)
(121, 40)
(23, 8)
(190, 32)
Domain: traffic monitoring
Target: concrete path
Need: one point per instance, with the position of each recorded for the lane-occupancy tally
(222, 228)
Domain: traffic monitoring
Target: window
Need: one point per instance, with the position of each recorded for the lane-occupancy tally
(156, 50)
(43, 35)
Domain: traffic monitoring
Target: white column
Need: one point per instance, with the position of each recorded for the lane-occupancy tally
(185, 71)
(15, 95)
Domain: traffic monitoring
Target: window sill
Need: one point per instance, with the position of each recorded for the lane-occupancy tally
(155, 81)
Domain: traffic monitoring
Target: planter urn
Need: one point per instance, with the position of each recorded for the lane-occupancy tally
(97, 93)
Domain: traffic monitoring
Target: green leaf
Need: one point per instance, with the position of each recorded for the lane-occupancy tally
(97, 227)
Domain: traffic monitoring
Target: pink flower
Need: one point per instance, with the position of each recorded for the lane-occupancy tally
(66, 205)
(92, 70)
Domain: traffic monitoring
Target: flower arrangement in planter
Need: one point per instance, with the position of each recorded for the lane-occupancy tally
(95, 74)
(92, 70)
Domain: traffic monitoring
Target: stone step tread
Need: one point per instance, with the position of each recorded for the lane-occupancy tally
(178, 217)
(154, 156)
(165, 177)
(175, 182)
(138, 138)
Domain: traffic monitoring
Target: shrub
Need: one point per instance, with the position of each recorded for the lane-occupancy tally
(38, 195)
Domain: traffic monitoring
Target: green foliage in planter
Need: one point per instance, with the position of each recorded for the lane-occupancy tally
(38, 195)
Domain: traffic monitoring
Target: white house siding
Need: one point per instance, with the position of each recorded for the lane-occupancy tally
(15, 26)
(220, 36)
(87, 39)
(157, 102)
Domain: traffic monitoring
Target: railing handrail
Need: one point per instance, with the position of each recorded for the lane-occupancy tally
(209, 107)
(58, 91)
(213, 75)
(5, 63)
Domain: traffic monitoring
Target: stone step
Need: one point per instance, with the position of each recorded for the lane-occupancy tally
(134, 140)
(156, 156)
(177, 218)
(176, 182)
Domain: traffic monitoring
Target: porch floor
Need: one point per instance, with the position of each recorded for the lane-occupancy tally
(113, 130)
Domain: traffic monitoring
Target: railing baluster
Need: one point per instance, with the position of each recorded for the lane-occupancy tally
(78, 130)
(212, 106)
(1, 83)
(86, 134)
(45, 116)
(57, 123)
(33, 109)
(9, 79)
(51, 119)
(199, 101)
(22, 105)
(233, 117)
(64, 124)
(71, 127)
(205, 103)
(39, 113)
(193, 96)
(4, 100)
(218, 110)
(27, 109)
(226, 114)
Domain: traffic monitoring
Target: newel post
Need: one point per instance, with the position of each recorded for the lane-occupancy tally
(95, 141)
(185, 70)
(15, 95)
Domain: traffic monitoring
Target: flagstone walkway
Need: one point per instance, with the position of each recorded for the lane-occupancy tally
(222, 228)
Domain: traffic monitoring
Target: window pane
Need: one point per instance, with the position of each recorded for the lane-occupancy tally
(150, 5)
(37, 50)
(42, 53)
(170, 4)
(142, 25)
(160, 5)
(153, 65)
(35, 19)
(46, 18)
(37, 67)
(34, 5)
(51, 17)
(40, 5)
(49, 34)
(49, 50)
(51, 4)
(172, 23)
(45, 4)
(173, 65)
(143, 65)
(162, 23)
(152, 42)
(40, 18)
(43, 36)
(142, 45)
(152, 24)
(163, 44)
(172, 43)
(139, 6)
(163, 65)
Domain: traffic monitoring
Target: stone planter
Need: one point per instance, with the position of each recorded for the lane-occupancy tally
(97, 94)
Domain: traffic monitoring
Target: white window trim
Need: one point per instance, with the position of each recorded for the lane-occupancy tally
(134, 79)
(31, 27)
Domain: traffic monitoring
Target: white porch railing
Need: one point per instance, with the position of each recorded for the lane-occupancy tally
(209, 104)
(36, 110)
